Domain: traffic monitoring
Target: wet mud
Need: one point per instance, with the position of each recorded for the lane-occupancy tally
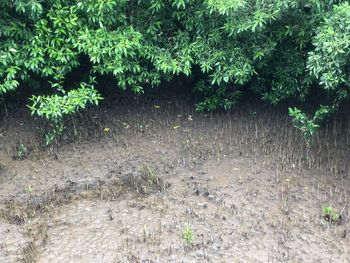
(158, 182)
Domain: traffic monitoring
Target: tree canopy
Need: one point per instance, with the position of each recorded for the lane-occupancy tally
(279, 49)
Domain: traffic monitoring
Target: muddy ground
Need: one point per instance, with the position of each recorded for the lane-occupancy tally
(154, 181)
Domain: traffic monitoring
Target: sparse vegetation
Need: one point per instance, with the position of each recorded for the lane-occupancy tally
(188, 234)
(235, 178)
(331, 215)
(29, 190)
(151, 176)
(21, 152)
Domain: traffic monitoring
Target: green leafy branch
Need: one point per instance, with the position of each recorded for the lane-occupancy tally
(55, 107)
(308, 126)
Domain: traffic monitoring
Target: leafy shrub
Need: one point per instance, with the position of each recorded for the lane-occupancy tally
(55, 107)
(279, 49)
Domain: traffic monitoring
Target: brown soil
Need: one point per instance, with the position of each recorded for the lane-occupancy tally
(239, 182)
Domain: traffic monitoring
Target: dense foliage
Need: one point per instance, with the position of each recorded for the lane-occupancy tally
(280, 49)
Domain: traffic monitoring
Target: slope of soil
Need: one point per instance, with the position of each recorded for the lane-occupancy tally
(131, 178)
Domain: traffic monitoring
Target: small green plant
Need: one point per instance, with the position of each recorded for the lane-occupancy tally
(29, 190)
(308, 126)
(331, 215)
(151, 176)
(55, 131)
(2, 167)
(21, 152)
(188, 234)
